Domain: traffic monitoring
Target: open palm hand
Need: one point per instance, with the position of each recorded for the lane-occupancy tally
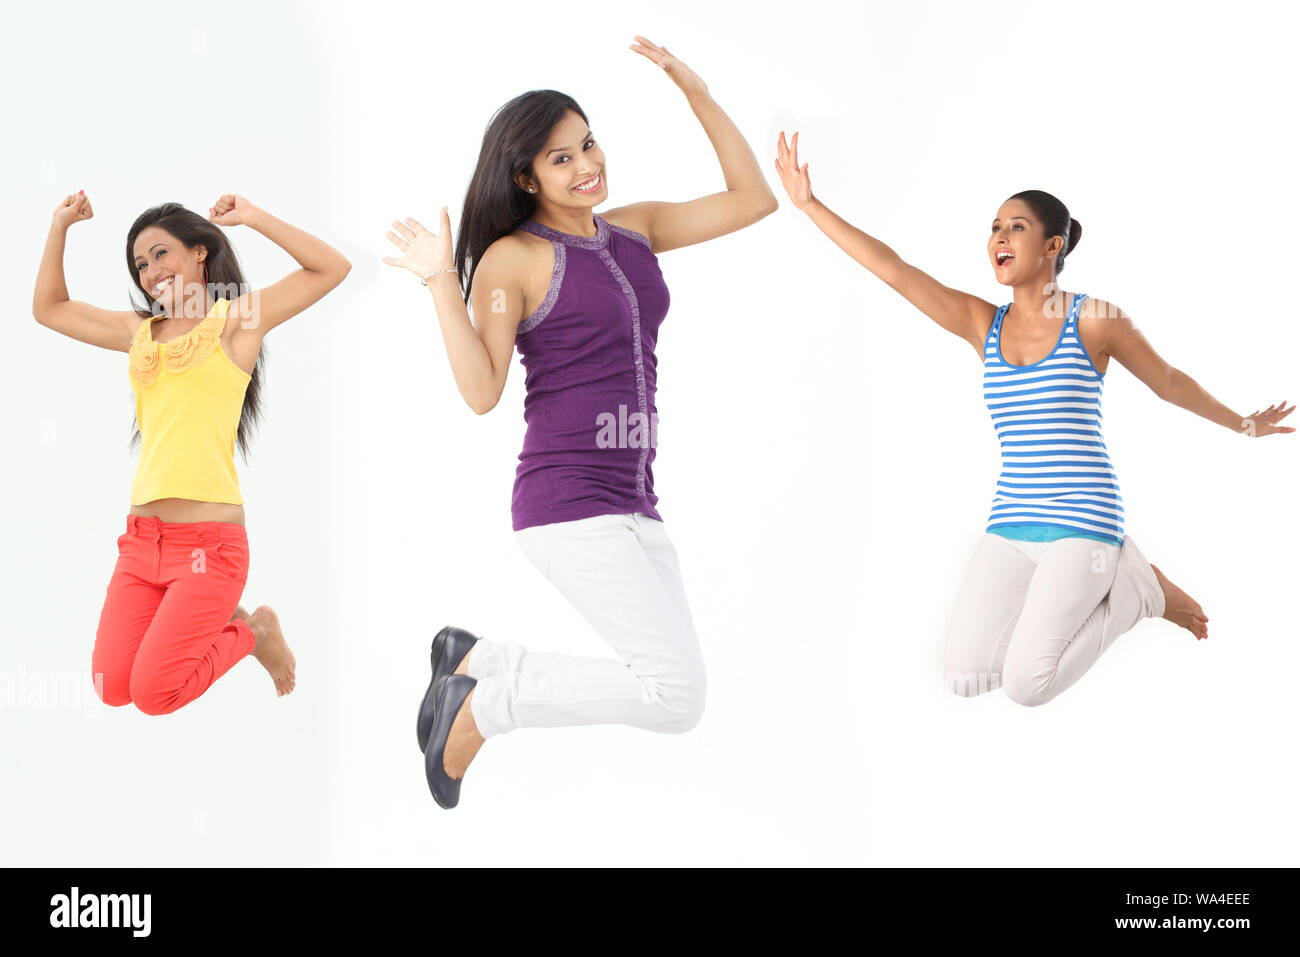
(795, 180)
(685, 78)
(1265, 422)
(423, 252)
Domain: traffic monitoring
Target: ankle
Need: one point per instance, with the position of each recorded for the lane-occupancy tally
(258, 627)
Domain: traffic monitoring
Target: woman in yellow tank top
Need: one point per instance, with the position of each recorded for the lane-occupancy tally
(171, 623)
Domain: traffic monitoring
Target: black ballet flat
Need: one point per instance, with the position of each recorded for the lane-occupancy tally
(449, 693)
(450, 646)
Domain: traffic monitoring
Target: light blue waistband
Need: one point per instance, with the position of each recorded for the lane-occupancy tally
(1031, 532)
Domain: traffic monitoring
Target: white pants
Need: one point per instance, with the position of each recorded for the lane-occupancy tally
(1032, 617)
(620, 572)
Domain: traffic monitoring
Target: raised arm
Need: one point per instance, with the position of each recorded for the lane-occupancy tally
(479, 351)
(958, 312)
(51, 307)
(322, 268)
(1116, 335)
(745, 201)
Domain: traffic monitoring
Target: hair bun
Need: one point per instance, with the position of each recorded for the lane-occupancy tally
(1076, 233)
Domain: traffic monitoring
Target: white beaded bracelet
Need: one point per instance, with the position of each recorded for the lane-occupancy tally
(425, 280)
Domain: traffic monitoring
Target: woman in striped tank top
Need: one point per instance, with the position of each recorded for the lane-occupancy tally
(1054, 579)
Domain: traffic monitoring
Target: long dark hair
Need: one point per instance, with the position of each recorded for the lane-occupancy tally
(222, 273)
(495, 204)
(1051, 212)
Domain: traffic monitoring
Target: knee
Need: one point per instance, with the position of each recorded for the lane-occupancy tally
(150, 697)
(155, 706)
(1028, 689)
(683, 701)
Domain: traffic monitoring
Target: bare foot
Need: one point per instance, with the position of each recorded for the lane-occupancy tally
(240, 612)
(1181, 608)
(463, 667)
(271, 649)
(463, 742)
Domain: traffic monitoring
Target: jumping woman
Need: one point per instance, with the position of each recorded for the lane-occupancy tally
(581, 296)
(1054, 579)
(171, 623)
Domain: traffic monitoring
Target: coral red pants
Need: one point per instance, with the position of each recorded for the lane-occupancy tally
(165, 632)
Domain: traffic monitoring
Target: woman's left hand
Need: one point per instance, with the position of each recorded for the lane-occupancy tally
(678, 71)
(230, 210)
(1265, 423)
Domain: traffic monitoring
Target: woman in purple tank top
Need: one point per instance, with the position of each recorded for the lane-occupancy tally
(581, 297)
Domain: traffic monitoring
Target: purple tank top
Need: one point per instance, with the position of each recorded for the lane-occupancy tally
(588, 352)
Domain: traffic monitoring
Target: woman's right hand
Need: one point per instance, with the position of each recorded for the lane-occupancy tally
(424, 252)
(795, 180)
(73, 209)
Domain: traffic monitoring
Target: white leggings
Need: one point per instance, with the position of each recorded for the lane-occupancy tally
(620, 572)
(1032, 617)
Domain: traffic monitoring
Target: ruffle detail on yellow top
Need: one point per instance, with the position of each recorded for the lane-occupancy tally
(178, 354)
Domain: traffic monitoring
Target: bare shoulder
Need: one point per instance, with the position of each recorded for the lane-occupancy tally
(517, 266)
(507, 262)
(1092, 308)
(1100, 319)
(637, 217)
(1102, 327)
(514, 254)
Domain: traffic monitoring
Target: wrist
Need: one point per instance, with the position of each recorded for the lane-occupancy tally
(443, 275)
(698, 97)
(254, 217)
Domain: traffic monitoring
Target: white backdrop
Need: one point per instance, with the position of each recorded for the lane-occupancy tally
(825, 466)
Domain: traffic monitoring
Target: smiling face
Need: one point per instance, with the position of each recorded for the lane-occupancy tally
(1017, 247)
(164, 267)
(570, 170)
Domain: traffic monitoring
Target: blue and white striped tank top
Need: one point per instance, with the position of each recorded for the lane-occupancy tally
(1057, 480)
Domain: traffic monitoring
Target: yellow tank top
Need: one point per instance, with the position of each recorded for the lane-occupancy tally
(188, 398)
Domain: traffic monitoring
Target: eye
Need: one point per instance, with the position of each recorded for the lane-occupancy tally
(588, 145)
(1018, 226)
